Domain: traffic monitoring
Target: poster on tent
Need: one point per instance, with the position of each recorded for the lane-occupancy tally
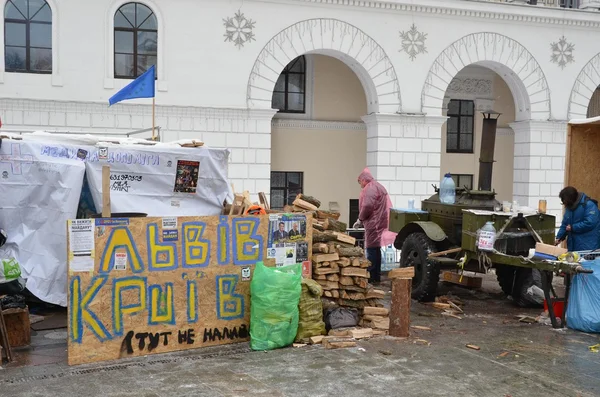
(157, 285)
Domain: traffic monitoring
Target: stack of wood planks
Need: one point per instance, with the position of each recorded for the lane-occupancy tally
(376, 318)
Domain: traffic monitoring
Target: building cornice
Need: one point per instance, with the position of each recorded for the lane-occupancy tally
(509, 12)
(318, 125)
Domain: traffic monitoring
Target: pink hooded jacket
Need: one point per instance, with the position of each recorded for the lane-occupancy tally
(374, 212)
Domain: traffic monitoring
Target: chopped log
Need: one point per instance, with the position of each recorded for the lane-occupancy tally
(356, 262)
(328, 294)
(346, 280)
(325, 270)
(309, 199)
(374, 293)
(345, 238)
(328, 285)
(439, 305)
(350, 252)
(361, 333)
(345, 331)
(335, 293)
(402, 272)
(288, 208)
(400, 307)
(384, 323)
(364, 263)
(323, 237)
(354, 288)
(320, 248)
(351, 303)
(322, 264)
(474, 347)
(338, 342)
(361, 282)
(318, 226)
(370, 317)
(320, 277)
(332, 224)
(373, 302)
(305, 205)
(420, 328)
(376, 311)
(344, 262)
(325, 257)
(355, 296)
(354, 271)
(315, 340)
(333, 277)
(322, 214)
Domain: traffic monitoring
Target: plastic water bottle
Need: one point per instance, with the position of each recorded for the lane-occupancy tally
(389, 258)
(447, 190)
(486, 236)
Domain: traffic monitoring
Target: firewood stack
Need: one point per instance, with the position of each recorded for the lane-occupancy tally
(339, 266)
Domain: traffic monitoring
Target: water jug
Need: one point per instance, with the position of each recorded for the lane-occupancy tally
(447, 190)
(388, 259)
(486, 236)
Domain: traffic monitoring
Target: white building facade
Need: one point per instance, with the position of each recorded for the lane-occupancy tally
(391, 85)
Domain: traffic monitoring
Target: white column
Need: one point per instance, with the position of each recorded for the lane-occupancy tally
(539, 164)
(250, 145)
(404, 154)
(589, 5)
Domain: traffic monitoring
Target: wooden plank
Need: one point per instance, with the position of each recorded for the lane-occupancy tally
(18, 327)
(467, 281)
(325, 270)
(374, 293)
(400, 307)
(361, 333)
(402, 272)
(383, 323)
(442, 253)
(262, 197)
(376, 311)
(315, 340)
(106, 212)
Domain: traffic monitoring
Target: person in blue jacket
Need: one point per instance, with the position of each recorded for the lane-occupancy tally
(581, 222)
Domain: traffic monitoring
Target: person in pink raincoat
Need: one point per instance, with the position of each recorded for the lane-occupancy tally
(374, 206)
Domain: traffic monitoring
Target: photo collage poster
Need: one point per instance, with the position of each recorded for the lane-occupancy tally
(287, 239)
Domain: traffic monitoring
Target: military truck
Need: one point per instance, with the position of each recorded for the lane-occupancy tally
(450, 232)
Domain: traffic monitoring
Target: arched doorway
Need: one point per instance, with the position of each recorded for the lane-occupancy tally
(323, 76)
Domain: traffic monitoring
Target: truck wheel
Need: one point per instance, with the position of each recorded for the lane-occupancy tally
(524, 279)
(416, 248)
(506, 278)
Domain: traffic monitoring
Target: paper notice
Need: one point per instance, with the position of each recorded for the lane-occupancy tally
(169, 223)
(120, 260)
(81, 264)
(81, 237)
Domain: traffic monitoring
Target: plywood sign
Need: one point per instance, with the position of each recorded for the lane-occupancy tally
(141, 286)
(583, 148)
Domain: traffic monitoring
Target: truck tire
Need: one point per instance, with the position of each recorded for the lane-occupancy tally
(415, 249)
(515, 282)
(506, 278)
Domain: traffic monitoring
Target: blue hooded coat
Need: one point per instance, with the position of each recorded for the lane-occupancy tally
(585, 226)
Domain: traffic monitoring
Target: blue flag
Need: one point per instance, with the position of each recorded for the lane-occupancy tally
(142, 87)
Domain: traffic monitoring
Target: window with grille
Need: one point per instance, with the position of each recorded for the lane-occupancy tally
(290, 89)
(27, 36)
(459, 127)
(285, 186)
(136, 40)
(463, 180)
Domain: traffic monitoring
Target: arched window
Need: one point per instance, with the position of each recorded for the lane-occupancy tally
(136, 34)
(28, 36)
(290, 89)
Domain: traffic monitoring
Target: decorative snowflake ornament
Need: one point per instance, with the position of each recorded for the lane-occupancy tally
(238, 29)
(413, 42)
(562, 52)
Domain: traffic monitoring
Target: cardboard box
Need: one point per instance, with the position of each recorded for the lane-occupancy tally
(550, 249)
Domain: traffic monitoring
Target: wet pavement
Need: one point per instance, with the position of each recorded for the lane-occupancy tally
(515, 359)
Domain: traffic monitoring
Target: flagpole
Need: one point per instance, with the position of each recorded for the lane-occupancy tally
(153, 113)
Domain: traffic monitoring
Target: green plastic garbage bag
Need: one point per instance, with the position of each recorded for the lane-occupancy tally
(274, 296)
(311, 310)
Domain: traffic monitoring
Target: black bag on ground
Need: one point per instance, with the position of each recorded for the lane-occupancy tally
(341, 317)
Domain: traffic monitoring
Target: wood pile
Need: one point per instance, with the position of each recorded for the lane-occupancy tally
(339, 266)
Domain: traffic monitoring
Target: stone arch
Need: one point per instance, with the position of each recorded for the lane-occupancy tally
(334, 38)
(585, 84)
(508, 58)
